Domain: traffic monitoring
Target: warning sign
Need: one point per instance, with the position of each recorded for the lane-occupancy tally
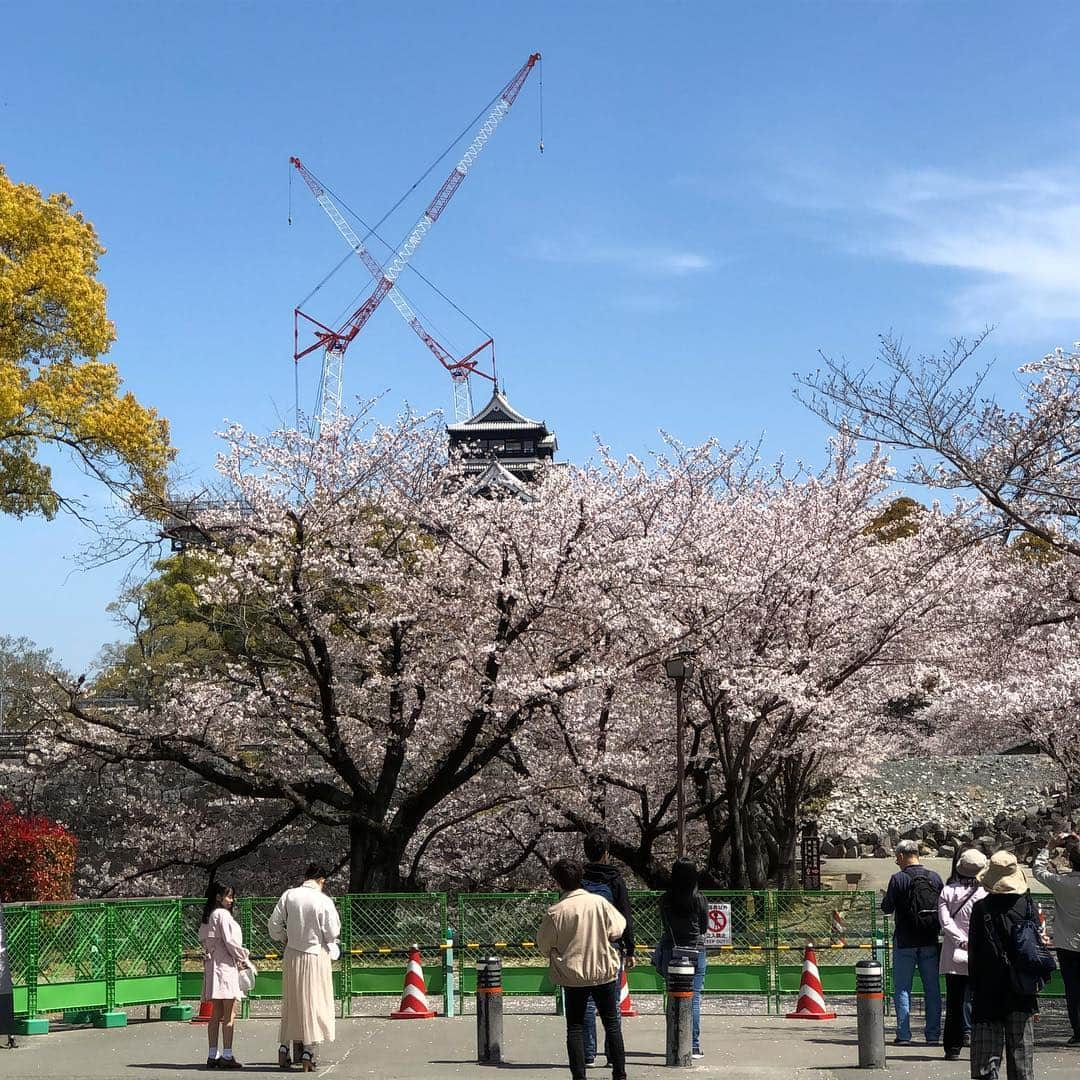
(719, 931)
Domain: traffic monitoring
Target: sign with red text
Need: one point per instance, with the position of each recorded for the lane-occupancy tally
(719, 931)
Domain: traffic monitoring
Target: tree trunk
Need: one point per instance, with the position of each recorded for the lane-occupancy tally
(375, 865)
(740, 878)
(787, 834)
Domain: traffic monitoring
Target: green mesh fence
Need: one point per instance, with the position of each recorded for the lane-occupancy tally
(146, 934)
(103, 955)
(382, 925)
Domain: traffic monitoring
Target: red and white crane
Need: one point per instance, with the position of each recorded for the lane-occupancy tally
(460, 370)
(335, 342)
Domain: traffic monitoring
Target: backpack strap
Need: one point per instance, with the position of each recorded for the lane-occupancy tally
(959, 907)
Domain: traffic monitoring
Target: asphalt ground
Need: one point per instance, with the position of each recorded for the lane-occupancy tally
(736, 1048)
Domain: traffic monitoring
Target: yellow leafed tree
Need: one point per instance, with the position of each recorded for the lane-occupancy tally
(54, 389)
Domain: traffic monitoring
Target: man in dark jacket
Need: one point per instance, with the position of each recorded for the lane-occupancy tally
(603, 878)
(1001, 1017)
(914, 945)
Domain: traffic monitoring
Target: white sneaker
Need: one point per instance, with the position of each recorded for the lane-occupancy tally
(596, 1063)
(698, 1053)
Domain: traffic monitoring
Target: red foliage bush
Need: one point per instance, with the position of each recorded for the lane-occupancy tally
(37, 858)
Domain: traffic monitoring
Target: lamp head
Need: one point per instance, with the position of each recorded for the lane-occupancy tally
(679, 665)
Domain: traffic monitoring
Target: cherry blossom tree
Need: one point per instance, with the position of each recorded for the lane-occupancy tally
(1022, 465)
(435, 688)
(407, 633)
(808, 617)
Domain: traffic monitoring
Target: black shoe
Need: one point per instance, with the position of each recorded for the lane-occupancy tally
(901, 1042)
(1074, 1041)
(229, 1063)
(284, 1061)
(952, 1055)
(211, 1062)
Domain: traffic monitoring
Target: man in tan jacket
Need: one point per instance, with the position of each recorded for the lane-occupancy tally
(578, 937)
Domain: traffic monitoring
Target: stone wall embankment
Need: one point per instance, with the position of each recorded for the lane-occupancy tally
(994, 801)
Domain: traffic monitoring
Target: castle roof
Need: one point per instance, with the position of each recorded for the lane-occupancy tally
(497, 415)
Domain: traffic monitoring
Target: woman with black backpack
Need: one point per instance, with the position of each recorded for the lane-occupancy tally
(1003, 999)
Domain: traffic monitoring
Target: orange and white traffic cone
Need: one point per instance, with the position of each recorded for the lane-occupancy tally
(811, 1003)
(414, 1004)
(839, 929)
(206, 1009)
(626, 1005)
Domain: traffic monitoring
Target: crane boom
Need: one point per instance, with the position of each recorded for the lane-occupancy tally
(335, 342)
(322, 197)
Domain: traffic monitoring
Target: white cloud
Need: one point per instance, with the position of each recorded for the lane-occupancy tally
(643, 261)
(1014, 238)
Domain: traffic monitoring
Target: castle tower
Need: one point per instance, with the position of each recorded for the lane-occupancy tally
(500, 447)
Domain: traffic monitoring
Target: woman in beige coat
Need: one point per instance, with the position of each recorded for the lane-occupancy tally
(306, 919)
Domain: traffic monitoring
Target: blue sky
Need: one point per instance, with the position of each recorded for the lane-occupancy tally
(726, 188)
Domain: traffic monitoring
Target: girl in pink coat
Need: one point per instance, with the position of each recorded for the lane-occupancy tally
(954, 912)
(224, 958)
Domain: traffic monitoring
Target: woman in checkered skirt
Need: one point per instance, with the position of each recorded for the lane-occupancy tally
(1002, 1017)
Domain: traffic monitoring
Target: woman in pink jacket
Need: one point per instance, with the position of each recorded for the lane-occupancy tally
(954, 912)
(224, 958)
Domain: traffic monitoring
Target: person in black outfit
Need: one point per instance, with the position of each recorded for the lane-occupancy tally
(601, 877)
(1002, 1017)
(685, 916)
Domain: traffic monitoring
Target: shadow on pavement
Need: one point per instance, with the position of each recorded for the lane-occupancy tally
(200, 1066)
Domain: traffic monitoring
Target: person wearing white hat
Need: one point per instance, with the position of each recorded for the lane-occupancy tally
(1002, 1017)
(957, 899)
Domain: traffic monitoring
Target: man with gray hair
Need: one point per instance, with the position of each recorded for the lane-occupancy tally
(912, 900)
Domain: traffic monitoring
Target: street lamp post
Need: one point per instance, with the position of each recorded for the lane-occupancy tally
(679, 667)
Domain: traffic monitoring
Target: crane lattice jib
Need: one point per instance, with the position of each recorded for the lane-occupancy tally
(322, 197)
(396, 265)
(336, 343)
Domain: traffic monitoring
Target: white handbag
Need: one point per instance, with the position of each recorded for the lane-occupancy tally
(247, 978)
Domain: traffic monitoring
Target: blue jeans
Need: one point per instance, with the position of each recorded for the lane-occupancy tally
(699, 985)
(905, 961)
(589, 1035)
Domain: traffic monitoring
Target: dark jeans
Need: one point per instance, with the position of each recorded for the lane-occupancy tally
(1069, 962)
(590, 1025)
(957, 1024)
(607, 1008)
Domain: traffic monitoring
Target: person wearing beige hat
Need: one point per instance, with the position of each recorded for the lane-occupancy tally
(1002, 1017)
(955, 904)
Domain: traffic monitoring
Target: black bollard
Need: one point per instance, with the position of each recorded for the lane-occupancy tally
(870, 1006)
(489, 1011)
(680, 1011)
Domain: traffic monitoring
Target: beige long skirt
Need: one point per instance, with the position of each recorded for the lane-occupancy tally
(307, 998)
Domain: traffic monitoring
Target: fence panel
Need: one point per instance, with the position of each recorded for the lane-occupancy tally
(743, 967)
(72, 956)
(146, 934)
(381, 928)
(507, 923)
(20, 946)
(844, 927)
